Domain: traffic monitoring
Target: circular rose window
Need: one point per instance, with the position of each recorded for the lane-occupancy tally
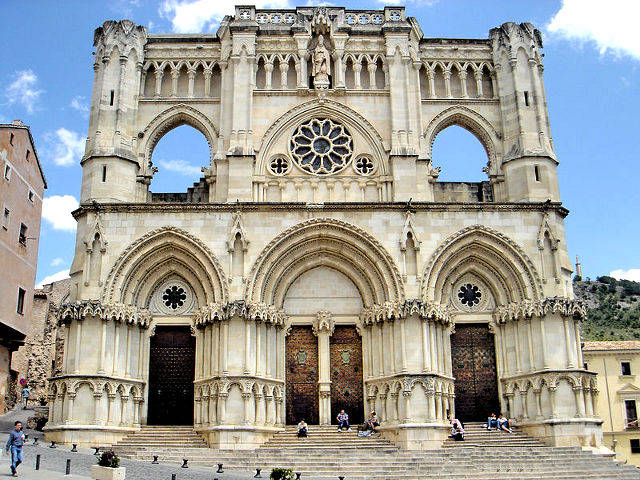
(321, 146)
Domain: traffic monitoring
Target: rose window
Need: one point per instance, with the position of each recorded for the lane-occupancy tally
(174, 297)
(469, 295)
(321, 146)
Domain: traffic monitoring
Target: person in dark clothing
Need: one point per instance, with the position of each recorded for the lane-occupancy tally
(302, 429)
(14, 444)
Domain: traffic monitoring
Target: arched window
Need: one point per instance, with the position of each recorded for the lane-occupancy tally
(460, 155)
(179, 156)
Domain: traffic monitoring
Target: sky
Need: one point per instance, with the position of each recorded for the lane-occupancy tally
(592, 60)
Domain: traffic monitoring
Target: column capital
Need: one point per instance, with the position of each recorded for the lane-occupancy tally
(324, 322)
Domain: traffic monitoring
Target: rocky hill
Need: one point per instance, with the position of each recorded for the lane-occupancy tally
(614, 308)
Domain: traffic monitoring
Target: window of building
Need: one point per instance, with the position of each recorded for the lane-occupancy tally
(22, 238)
(5, 218)
(536, 172)
(104, 173)
(526, 99)
(20, 306)
(31, 196)
(630, 409)
(635, 445)
(7, 172)
(28, 155)
(585, 365)
(112, 98)
(625, 368)
(11, 139)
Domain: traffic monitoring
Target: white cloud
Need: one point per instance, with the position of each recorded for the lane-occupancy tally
(68, 147)
(611, 25)
(56, 261)
(631, 274)
(23, 90)
(53, 278)
(80, 104)
(181, 167)
(57, 211)
(194, 16)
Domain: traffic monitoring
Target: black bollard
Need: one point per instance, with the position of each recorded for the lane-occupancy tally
(74, 448)
(155, 459)
(220, 470)
(173, 476)
(184, 463)
(35, 440)
(38, 462)
(340, 478)
(53, 444)
(257, 475)
(67, 470)
(97, 451)
(298, 475)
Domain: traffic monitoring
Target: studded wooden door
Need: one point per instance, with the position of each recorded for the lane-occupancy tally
(473, 357)
(302, 376)
(171, 373)
(345, 347)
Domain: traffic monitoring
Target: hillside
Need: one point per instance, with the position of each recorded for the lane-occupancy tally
(614, 308)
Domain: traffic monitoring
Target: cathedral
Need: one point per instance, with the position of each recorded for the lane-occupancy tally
(319, 264)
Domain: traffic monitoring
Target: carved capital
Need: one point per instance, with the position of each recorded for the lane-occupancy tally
(324, 322)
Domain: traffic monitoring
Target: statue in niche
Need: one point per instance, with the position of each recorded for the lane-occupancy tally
(321, 65)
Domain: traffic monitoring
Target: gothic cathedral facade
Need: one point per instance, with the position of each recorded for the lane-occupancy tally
(319, 264)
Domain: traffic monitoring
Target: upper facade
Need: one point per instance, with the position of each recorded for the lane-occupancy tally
(22, 185)
(319, 104)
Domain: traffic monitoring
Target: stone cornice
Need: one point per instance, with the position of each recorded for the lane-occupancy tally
(391, 311)
(565, 307)
(117, 312)
(327, 206)
(257, 312)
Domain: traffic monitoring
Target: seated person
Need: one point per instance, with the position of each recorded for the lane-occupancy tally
(302, 428)
(504, 424)
(492, 422)
(343, 420)
(457, 430)
(372, 422)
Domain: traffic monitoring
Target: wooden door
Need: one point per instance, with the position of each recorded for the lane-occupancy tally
(302, 376)
(346, 374)
(473, 357)
(171, 373)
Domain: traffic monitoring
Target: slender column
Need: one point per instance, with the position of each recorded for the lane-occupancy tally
(357, 68)
(478, 76)
(175, 74)
(97, 398)
(369, 330)
(438, 403)
(159, 74)
(505, 360)
(247, 346)
(576, 327)
(432, 83)
(110, 398)
(538, 394)
(65, 351)
(382, 408)
(433, 347)
(141, 351)
(372, 68)
(391, 327)
(463, 82)
(494, 84)
(431, 406)
(510, 402)
(589, 403)
(71, 396)
(284, 68)
(222, 408)
(205, 409)
(136, 411)
(441, 349)
(380, 348)
(403, 350)
(532, 365)
(594, 402)
(127, 368)
(76, 359)
(537, 98)
(447, 82)
(215, 348)
(516, 341)
(124, 399)
(260, 410)
(446, 342)
(224, 347)
(247, 406)
(268, 71)
(103, 347)
(212, 410)
(267, 350)
(323, 328)
(543, 341)
(279, 411)
(406, 397)
(208, 341)
(116, 341)
(525, 405)
(426, 351)
(207, 82)
(259, 363)
(567, 344)
(192, 75)
(579, 394)
(196, 412)
(552, 396)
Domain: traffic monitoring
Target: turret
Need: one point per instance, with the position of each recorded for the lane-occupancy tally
(529, 163)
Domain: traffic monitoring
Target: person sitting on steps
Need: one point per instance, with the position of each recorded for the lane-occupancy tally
(492, 422)
(302, 429)
(504, 424)
(343, 421)
(372, 423)
(457, 429)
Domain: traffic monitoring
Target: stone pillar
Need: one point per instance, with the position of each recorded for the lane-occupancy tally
(516, 341)
(323, 328)
(159, 74)
(447, 82)
(127, 366)
(543, 336)
(124, 399)
(97, 398)
(579, 394)
(247, 346)
(110, 398)
(259, 365)
(268, 71)
(222, 408)
(136, 411)
(431, 406)
(260, 418)
(103, 345)
(141, 352)
(478, 76)
(391, 327)
(267, 363)
(116, 341)
(246, 397)
(426, 350)
(463, 82)
(207, 82)
(191, 72)
(76, 359)
(568, 343)
(71, 396)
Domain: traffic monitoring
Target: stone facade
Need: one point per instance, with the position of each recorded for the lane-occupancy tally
(322, 209)
(22, 185)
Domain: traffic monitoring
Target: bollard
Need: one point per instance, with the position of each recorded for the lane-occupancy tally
(53, 444)
(38, 462)
(97, 451)
(35, 440)
(155, 459)
(298, 475)
(220, 470)
(173, 476)
(74, 448)
(257, 475)
(340, 478)
(184, 463)
(67, 470)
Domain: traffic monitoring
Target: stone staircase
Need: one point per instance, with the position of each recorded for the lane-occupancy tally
(327, 454)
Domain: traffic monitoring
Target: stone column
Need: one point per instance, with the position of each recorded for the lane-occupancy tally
(247, 346)
(71, 396)
(372, 68)
(447, 82)
(259, 370)
(110, 398)
(568, 344)
(382, 407)
(478, 76)
(116, 341)
(406, 397)
(260, 418)
(576, 327)
(392, 345)
(191, 72)
(97, 398)
(267, 350)
(579, 394)
(403, 349)
(432, 84)
(127, 366)
(380, 349)
(433, 346)
(525, 405)
(204, 405)
(284, 68)
(532, 365)
(124, 399)
(357, 68)
(463, 82)
(431, 406)
(246, 397)
(207, 82)
(323, 328)
(538, 394)
(175, 74)
(222, 408)
(543, 340)
(136, 411)
(65, 352)
(141, 351)
(103, 347)
(76, 359)
(224, 347)
(516, 341)
(159, 74)
(268, 71)
(426, 350)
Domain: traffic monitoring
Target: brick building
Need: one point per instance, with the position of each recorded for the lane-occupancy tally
(22, 185)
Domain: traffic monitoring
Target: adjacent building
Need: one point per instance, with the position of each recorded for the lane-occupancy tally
(617, 364)
(22, 185)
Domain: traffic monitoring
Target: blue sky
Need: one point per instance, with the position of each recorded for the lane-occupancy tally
(591, 79)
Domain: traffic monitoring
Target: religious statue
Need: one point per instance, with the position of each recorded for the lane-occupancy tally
(321, 65)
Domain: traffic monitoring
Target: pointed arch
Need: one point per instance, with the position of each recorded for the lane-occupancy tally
(156, 256)
(470, 120)
(324, 242)
(496, 259)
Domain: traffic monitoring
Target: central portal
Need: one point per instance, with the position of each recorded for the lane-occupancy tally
(302, 376)
(346, 374)
(473, 357)
(172, 362)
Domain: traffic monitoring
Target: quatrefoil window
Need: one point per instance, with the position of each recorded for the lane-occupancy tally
(174, 297)
(364, 165)
(469, 295)
(321, 146)
(279, 165)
